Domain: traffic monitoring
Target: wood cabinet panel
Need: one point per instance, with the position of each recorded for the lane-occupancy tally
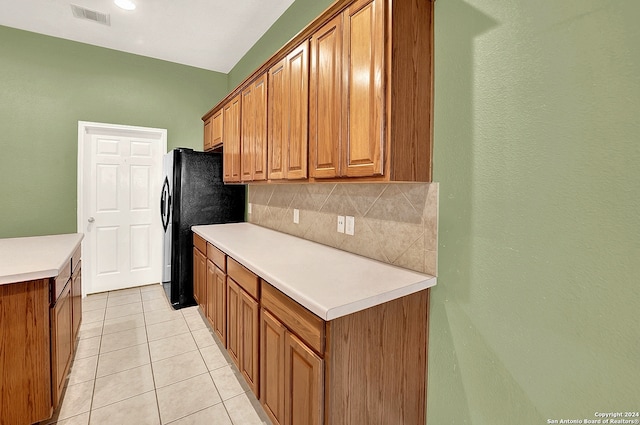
(387, 335)
(254, 130)
(243, 277)
(25, 352)
(220, 306)
(208, 134)
(216, 129)
(231, 156)
(218, 257)
(199, 243)
(61, 340)
(363, 57)
(297, 63)
(288, 107)
(199, 278)
(277, 132)
(76, 301)
(210, 292)
(233, 324)
(298, 319)
(303, 384)
(272, 346)
(249, 323)
(325, 100)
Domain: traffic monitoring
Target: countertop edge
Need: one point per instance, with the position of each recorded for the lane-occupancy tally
(44, 273)
(323, 312)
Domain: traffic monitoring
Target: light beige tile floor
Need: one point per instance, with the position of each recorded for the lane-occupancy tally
(141, 362)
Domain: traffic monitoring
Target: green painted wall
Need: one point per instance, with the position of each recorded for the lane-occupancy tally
(294, 19)
(537, 151)
(47, 85)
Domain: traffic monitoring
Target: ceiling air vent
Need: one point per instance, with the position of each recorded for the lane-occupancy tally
(91, 15)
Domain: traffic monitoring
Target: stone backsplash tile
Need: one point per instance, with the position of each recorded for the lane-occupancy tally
(396, 223)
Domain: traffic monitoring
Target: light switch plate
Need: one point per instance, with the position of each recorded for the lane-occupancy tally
(351, 224)
(340, 224)
(296, 216)
(249, 208)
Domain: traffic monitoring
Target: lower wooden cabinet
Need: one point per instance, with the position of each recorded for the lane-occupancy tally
(61, 340)
(220, 306)
(303, 384)
(365, 367)
(292, 391)
(199, 278)
(76, 301)
(243, 332)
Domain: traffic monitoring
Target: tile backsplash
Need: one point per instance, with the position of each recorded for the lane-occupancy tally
(396, 223)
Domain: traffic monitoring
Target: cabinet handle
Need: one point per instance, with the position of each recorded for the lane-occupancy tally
(91, 220)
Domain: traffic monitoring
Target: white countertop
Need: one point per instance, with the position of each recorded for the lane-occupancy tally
(37, 257)
(329, 282)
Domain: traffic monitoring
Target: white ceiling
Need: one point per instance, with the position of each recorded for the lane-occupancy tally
(208, 34)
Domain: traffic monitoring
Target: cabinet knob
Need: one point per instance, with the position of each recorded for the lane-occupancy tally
(91, 219)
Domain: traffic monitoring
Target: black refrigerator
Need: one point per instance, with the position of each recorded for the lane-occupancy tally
(193, 193)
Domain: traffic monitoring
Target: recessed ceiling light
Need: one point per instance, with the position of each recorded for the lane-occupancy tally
(125, 4)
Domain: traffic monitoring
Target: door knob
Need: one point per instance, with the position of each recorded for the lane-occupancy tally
(91, 219)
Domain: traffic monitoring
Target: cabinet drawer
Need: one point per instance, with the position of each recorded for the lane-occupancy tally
(61, 280)
(199, 243)
(218, 257)
(75, 258)
(243, 277)
(296, 318)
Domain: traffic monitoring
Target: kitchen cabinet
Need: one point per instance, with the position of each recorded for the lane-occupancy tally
(40, 314)
(288, 106)
(366, 110)
(216, 129)
(254, 130)
(330, 350)
(61, 340)
(199, 278)
(220, 306)
(231, 140)
(243, 321)
(346, 100)
(292, 341)
(210, 292)
(208, 134)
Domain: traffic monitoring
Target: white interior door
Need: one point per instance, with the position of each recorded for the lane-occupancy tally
(122, 176)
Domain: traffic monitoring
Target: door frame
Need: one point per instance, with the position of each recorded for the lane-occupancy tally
(85, 130)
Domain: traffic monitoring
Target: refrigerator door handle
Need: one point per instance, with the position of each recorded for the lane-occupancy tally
(165, 204)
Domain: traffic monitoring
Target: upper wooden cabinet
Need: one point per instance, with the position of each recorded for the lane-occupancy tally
(254, 131)
(216, 129)
(207, 133)
(231, 140)
(350, 96)
(288, 104)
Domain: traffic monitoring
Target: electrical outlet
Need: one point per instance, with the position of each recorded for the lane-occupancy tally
(351, 224)
(249, 208)
(340, 224)
(296, 216)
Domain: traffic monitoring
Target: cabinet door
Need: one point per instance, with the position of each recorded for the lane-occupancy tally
(297, 64)
(272, 340)
(62, 344)
(278, 121)
(249, 332)
(248, 134)
(216, 129)
(364, 96)
(220, 306)
(233, 323)
(231, 140)
(325, 100)
(210, 292)
(76, 302)
(208, 127)
(260, 130)
(303, 384)
(199, 276)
